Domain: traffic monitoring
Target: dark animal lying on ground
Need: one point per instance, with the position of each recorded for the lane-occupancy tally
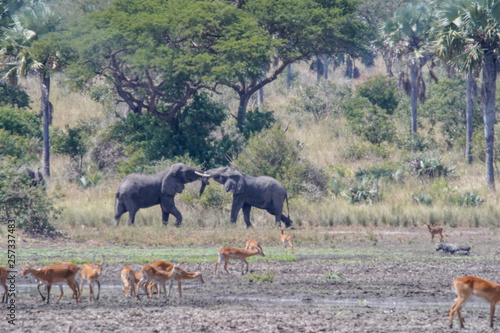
(450, 248)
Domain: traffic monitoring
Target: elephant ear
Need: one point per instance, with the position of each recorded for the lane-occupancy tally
(235, 184)
(171, 185)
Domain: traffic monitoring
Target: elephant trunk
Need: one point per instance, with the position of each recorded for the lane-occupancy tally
(204, 181)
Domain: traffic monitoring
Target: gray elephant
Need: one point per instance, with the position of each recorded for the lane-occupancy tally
(35, 175)
(262, 192)
(138, 191)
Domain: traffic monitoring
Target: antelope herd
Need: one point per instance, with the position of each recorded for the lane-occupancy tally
(157, 274)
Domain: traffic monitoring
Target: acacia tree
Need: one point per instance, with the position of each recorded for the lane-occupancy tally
(159, 54)
(299, 30)
(472, 31)
(407, 32)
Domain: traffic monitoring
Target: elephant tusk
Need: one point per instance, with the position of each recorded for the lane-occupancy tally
(202, 174)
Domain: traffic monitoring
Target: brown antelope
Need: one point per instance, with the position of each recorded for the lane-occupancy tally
(152, 274)
(286, 238)
(435, 231)
(227, 253)
(167, 266)
(130, 280)
(251, 244)
(467, 285)
(91, 273)
(55, 274)
(4, 273)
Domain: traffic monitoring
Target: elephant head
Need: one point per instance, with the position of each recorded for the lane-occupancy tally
(230, 177)
(178, 175)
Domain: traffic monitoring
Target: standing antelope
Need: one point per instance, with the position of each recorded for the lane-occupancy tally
(55, 274)
(4, 273)
(91, 272)
(435, 231)
(467, 285)
(183, 275)
(286, 238)
(251, 244)
(227, 253)
(152, 274)
(130, 280)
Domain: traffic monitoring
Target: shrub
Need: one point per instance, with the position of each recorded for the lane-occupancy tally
(20, 122)
(430, 167)
(30, 206)
(364, 191)
(381, 91)
(270, 153)
(470, 199)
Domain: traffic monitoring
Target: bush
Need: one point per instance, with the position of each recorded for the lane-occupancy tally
(381, 91)
(430, 167)
(20, 122)
(270, 153)
(30, 206)
(13, 96)
(470, 199)
(321, 100)
(363, 191)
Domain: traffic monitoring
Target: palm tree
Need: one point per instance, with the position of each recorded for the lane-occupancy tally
(19, 59)
(472, 30)
(407, 33)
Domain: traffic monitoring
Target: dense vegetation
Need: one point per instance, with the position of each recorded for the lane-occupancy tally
(301, 90)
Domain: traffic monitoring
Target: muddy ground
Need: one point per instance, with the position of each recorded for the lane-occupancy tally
(358, 281)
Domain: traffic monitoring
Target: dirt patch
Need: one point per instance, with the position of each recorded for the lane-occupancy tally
(384, 281)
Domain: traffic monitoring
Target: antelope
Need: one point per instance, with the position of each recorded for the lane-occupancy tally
(55, 274)
(435, 231)
(166, 266)
(467, 285)
(152, 274)
(130, 280)
(91, 273)
(227, 253)
(286, 238)
(251, 244)
(4, 273)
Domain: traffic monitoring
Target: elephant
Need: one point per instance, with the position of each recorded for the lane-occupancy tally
(262, 192)
(138, 190)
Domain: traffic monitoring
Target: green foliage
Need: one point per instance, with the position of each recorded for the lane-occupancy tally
(445, 107)
(422, 199)
(271, 153)
(150, 139)
(470, 199)
(30, 206)
(381, 91)
(71, 142)
(388, 171)
(20, 122)
(13, 96)
(268, 276)
(431, 167)
(365, 190)
(256, 121)
(321, 100)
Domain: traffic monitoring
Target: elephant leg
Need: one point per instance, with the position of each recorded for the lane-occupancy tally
(246, 214)
(131, 216)
(286, 220)
(120, 209)
(235, 209)
(168, 207)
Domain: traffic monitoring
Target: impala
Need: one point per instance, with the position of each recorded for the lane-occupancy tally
(435, 231)
(55, 274)
(130, 280)
(152, 274)
(251, 244)
(183, 275)
(4, 273)
(227, 253)
(91, 273)
(467, 285)
(286, 238)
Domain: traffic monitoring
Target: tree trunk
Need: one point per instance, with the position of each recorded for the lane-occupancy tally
(45, 90)
(318, 68)
(414, 98)
(242, 108)
(288, 76)
(488, 99)
(468, 116)
(325, 68)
